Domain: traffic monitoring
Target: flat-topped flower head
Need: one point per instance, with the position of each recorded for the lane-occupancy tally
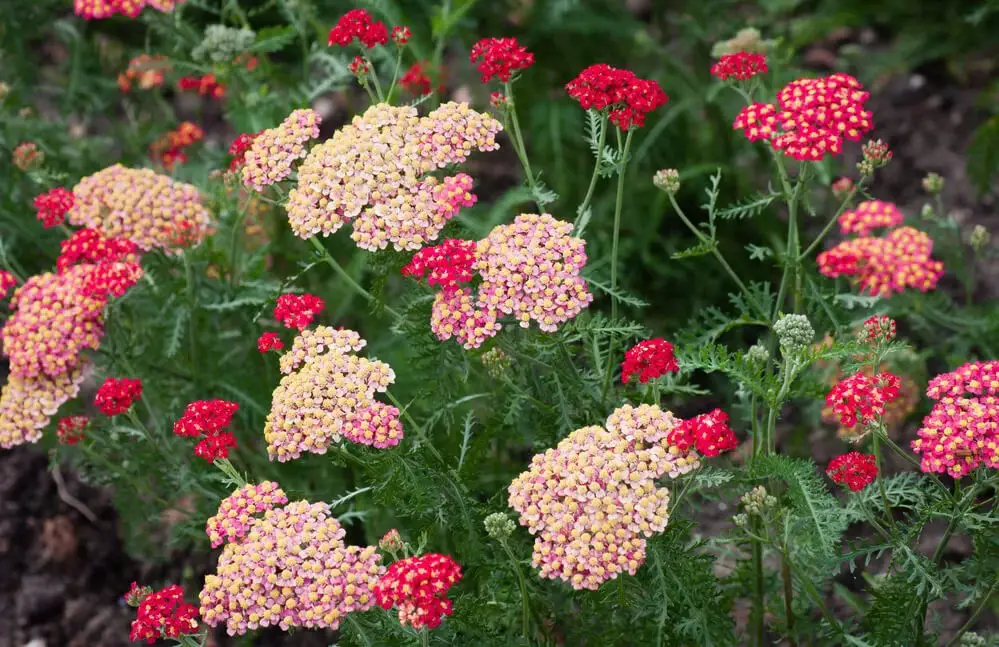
(269, 341)
(357, 24)
(274, 151)
(238, 510)
(374, 173)
(812, 117)
(455, 313)
(649, 359)
(117, 395)
(628, 98)
(52, 206)
(28, 404)
(139, 205)
(499, 58)
(297, 310)
(377, 426)
(100, 9)
(709, 433)
(448, 264)
(291, 570)
(883, 266)
(164, 614)
(52, 322)
(861, 398)
(962, 430)
(741, 66)
(530, 269)
(869, 215)
(592, 501)
(417, 587)
(327, 393)
(854, 470)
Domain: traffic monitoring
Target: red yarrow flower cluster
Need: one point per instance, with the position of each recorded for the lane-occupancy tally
(297, 310)
(499, 58)
(207, 85)
(709, 433)
(881, 266)
(168, 150)
(7, 281)
(164, 614)
(269, 341)
(650, 359)
(629, 98)
(89, 246)
(415, 80)
(878, 329)
(117, 395)
(448, 264)
(358, 24)
(208, 419)
(53, 206)
(862, 398)
(69, 430)
(854, 470)
(961, 432)
(812, 117)
(238, 148)
(418, 588)
(741, 66)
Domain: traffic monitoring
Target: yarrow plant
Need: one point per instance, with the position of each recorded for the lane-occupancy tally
(455, 424)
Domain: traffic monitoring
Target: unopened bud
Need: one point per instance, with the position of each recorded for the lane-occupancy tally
(27, 157)
(933, 183)
(496, 362)
(391, 542)
(136, 594)
(667, 179)
(401, 35)
(499, 526)
(499, 100)
(794, 332)
(4, 91)
(876, 155)
(758, 354)
(360, 68)
(842, 187)
(980, 238)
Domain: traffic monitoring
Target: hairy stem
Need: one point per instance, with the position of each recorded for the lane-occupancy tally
(329, 260)
(518, 144)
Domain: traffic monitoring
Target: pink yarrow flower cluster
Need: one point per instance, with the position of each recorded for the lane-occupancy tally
(592, 501)
(812, 117)
(869, 215)
(327, 393)
(627, 98)
(100, 9)
(417, 587)
(27, 404)
(881, 266)
(962, 430)
(238, 510)
(273, 152)
(291, 569)
(375, 174)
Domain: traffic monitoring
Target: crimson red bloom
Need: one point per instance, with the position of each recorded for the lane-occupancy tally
(651, 358)
(53, 206)
(863, 398)
(69, 430)
(90, 246)
(500, 58)
(854, 470)
(358, 24)
(7, 281)
(449, 263)
(815, 116)
(415, 80)
(216, 446)
(238, 148)
(269, 341)
(418, 588)
(708, 432)
(206, 417)
(741, 66)
(168, 150)
(297, 310)
(106, 280)
(207, 85)
(116, 395)
(628, 97)
(163, 614)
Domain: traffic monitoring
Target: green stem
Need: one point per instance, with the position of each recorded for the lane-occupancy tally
(518, 144)
(618, 208)
(758, 595)
(785, 573)
(192, 306)
(597, 166)
(329, 260)
(525, 606)
(420, 431)
(425, 637)
(395, 76)
(832, 222)
(721, 259)
(974, 614)
(375, 82)
(236, 237)
(791, 253)
(881, 483)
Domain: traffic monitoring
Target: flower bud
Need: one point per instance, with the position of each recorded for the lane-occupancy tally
(4, 91)
(980, 238)
(27, 157)
(401, 35)
(876, 154)
(794, 332)
(667, 179)
(391, 542)
(926, 212)
(499, 526)
(933, 183)
(360, 68)
(758, 354)
(136, 594)
(842, 187)
(496, 362)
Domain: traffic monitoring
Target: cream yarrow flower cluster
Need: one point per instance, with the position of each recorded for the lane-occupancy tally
(238, 510)
(291, 570)
(374, 173)
(592, 501)
(275, 150)
(151, 210)
(327, 393)
(27, 404)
